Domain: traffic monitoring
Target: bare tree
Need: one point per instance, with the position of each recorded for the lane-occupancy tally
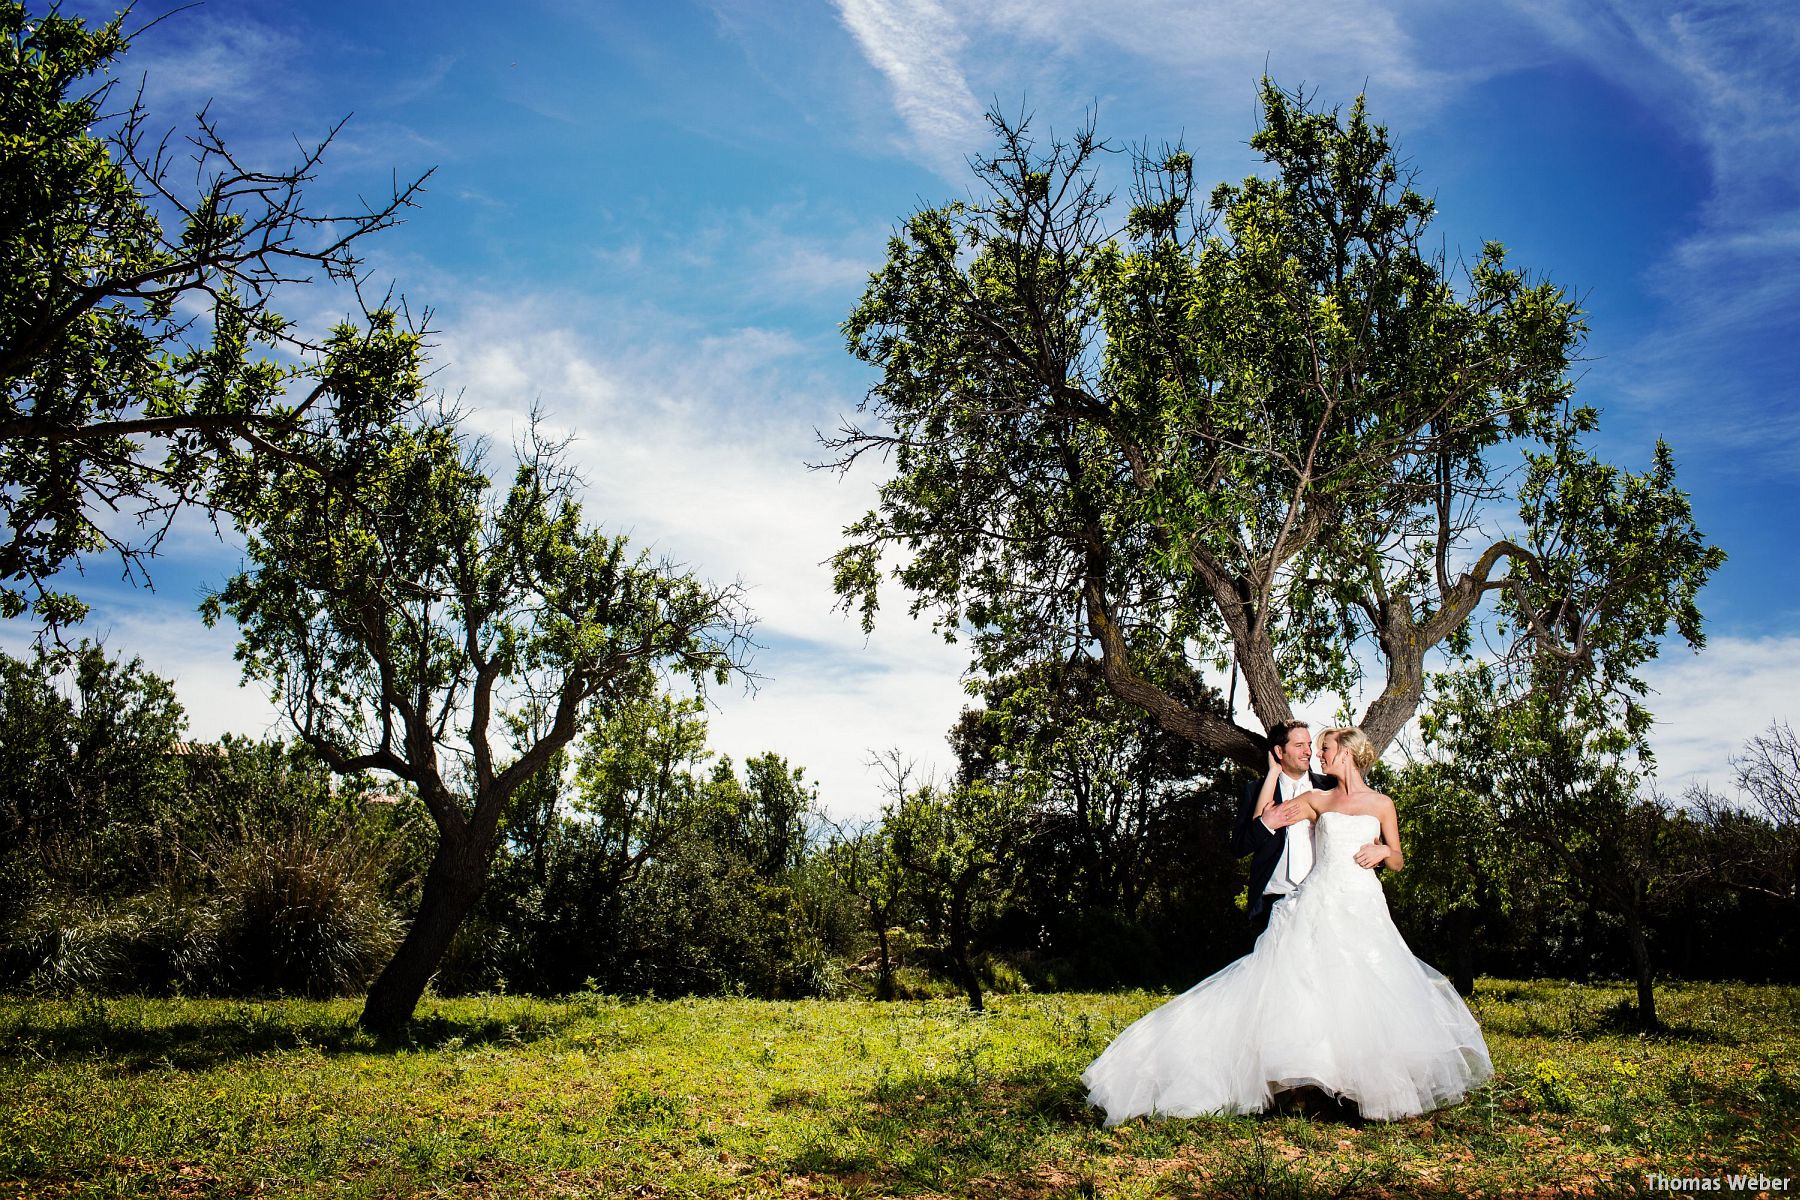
(1753, 840)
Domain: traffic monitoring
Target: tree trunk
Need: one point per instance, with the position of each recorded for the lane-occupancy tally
(1202, 727)
(458, 875)
(1640, 960)
(959, 945)
(1462, 970)
(1389, 712)
(884, 976)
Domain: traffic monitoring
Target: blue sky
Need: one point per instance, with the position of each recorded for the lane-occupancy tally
(649, 219)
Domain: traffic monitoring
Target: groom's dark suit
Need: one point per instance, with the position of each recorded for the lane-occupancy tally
(1252, 837)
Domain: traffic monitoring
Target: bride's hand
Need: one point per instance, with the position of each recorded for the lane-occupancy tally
(1371, 855)
(1280, 816)
(1266, 795)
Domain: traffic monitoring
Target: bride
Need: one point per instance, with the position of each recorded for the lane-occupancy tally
(1330, 997)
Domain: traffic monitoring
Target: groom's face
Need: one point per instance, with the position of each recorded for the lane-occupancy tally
(1295, 755)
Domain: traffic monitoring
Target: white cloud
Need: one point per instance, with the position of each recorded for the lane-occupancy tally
(697, 447)
(914, 44)
(1226, 39)
(173, 643)
(790, 265)
(1203, 59)
(831, 710)
(1709, 704)
(197, 57)
(1721, 73)
(420, 84)
(1722, 69)
(788, 253)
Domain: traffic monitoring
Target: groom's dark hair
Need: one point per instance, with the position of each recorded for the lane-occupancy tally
(1278, 732)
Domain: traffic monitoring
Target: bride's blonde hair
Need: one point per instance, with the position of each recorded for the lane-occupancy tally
(1362, 750)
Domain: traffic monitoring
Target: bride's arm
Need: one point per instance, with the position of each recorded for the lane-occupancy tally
(1306, 808)
(1266, 796)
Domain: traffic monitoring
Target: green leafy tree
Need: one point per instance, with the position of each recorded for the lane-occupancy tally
(762, 817)
(1110, 787)
(1572, 806)
(411, 622)
(1122, 874)
(863, 862)
(530, 828)
(90, 783)
(556, 912)
(638, 778)
(1268, 422)
(118, 397)
(1462, 869)
(676, 878)
(667, 871)
(959, 844)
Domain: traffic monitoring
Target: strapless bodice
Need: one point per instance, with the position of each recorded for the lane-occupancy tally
(1336, 838)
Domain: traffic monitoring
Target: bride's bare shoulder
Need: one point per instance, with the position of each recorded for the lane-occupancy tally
(1371, 803)
(1325, 799)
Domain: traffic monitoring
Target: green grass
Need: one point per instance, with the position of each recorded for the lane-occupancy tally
(502, 1096)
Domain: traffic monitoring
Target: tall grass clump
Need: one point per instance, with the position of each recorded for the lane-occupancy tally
(67, 943)
(298, 911)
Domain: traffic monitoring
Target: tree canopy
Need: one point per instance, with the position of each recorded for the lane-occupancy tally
(87, 745)
(1112, 795)
(1267, 426)
(138, 339)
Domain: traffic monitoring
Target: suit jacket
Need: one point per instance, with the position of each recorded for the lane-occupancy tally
(1264, 845)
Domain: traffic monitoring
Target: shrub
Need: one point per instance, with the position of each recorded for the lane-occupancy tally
(299, 911)
(69, 943)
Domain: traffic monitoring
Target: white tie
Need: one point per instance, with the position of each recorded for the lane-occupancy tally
(1299, 843)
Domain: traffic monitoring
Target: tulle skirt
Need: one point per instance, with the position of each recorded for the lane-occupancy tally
(1331, 997)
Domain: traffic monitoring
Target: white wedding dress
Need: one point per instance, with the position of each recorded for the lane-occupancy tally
(1330, 997)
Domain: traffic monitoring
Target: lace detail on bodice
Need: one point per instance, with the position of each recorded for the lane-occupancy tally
(1336, 838)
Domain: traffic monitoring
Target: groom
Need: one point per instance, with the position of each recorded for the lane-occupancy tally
(1281, 850)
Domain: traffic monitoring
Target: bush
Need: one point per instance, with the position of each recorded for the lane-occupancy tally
(302, 909)
(76, 943)
(298, 913)
(698, 921)
(289, 913)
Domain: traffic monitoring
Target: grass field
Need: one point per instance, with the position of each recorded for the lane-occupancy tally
(503, 1096)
